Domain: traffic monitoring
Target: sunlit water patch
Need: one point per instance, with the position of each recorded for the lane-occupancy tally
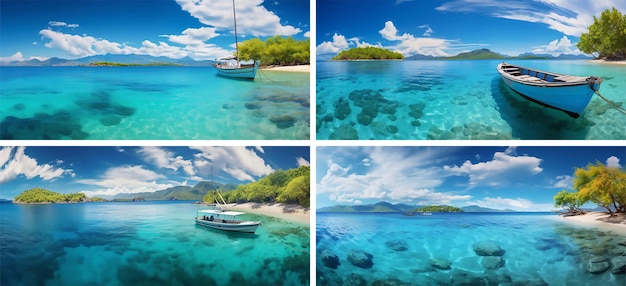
(144, 244)
(465, 249)
(455, 100)
(150, 103)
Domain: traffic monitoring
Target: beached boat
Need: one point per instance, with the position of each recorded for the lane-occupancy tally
(232, 67)
(568, 93)
(221, 218)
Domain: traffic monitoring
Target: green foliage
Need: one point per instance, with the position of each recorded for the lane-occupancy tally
(446, 209)
(368, 53)
(606, 37)
(113, 64)
(291, 186)
(482, 54)
(98, 200)
(567, 200)
(40, 196)
(602, 185)
(276, 51)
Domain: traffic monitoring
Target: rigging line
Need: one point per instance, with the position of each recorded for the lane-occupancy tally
(619, 108)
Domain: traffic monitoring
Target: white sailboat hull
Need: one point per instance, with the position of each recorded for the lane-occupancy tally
(241, 226)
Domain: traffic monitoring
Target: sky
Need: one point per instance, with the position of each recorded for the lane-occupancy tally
(517, 178)
(449, 27)
(200, 29)
(106, 171)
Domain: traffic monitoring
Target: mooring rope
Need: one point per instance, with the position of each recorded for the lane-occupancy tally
(619, 108)
(263, 73)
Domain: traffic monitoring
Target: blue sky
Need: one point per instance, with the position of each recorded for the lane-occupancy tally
(518, 178)
(201, 29)
(106, 171)
(448, 27)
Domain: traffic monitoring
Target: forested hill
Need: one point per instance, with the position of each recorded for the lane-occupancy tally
(388, 207)
(368, 53)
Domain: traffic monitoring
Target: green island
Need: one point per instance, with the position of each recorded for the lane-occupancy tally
(367, 53)
(113, 64)
(43, 196)
(277, 50)
(291, 187)
(439, 209)
(606, 37)
(597, 184)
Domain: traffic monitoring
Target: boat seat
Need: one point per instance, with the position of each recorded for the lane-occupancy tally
(569, 78)
(524, 71)
(549, 78)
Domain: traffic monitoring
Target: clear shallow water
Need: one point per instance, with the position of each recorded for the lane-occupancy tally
(149, 243)
(538, 249)
(455, 100)
(151, 103)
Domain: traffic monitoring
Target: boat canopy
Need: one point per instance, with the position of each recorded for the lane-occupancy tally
(220, 212)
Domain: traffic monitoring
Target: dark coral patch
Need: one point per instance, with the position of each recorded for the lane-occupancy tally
(284, 121)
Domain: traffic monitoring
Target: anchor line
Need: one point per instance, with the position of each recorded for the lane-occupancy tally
(619, 108)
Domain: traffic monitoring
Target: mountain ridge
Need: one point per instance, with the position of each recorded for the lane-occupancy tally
(124, 59)
(388, 207)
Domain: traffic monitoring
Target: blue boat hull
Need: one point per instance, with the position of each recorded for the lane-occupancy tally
(245, 72)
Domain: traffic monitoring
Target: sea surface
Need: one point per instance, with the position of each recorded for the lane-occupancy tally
(456, 100)
(516, 249)
(147, 243)
(157, 103)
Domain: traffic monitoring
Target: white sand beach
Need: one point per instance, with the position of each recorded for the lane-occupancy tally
(298, 68)
(608, 62)
(293, 213)
(599, 220)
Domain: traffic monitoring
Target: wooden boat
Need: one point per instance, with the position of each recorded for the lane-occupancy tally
(221, 218)
(568, 93)
(232, 67)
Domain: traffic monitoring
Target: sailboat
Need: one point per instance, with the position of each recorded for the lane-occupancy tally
(232, 67)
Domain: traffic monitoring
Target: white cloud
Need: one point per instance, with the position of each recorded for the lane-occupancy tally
(237, 161)
(81, 46)
(252, 17)
(505, 168)
(410, 45)
(302, 162)
(14, 162)
(125, 179)
(165, 159)
(194, 37)
(564, 182)
(428, 31)
(339, 43)
(62, 24)
(558, 47)
(17, 57)
(613, 162)
(506, 203)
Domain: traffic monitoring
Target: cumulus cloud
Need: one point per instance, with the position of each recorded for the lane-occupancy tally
(613, 162)
(167, 160)
(505, 168)
(506, 203)
(239, 162)
(252, 17)
(125, 179)
(410, 45)
(558, 47)
(14, 162)
(17, 57)
(193, 37)
(564, 182)
(428, 31)
(302, 162)
(338, 43)
(62, 24)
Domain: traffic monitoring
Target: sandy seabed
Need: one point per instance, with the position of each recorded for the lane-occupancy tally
(298, 68)
(599, 220)
(293, 213)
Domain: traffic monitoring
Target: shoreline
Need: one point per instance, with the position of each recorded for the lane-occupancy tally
(292, 213)
(605, 62)
(298, 68)
(599, 220)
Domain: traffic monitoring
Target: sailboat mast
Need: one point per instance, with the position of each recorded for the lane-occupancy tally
(236, 45)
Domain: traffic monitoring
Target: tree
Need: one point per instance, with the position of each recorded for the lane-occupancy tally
(602, 185)
(297, 191)
(368, 53)
(276, 51)
(606, 37)
(568, 200)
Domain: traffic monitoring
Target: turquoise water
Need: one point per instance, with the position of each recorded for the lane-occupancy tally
(534, 249)
(148, 243)
(151, 103)
(455, 100)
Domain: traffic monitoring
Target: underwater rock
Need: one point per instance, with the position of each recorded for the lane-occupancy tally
(42, 126)
(440, 263)
(392, 129)
(123, 110)
(360, 258)
(390, 282)
(397, 244)
(110, 120)
(283, 122)
(253, 105)
(416, 123)
(328, 118)
(19, 106)
(354, 280)
(492, 262)
(462, 277)
(364, 118)
(344, 132)
(487, 248)
(342, 109)
(417, 110)
(227, 106)
(619, 265)
(329, 259)
(597, 265)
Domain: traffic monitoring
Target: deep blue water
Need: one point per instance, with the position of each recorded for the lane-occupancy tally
(399, 100)
(536, 249)
(147, 243)
(124, 103)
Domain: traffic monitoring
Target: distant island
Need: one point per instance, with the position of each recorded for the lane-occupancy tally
(114, 64)
(367, 53)
(43, 196)
(388, 207)
(439, 209)
(486, 54)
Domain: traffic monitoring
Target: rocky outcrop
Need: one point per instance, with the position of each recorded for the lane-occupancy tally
(492, 262)
(360, 258)
(597, 265)
(487, 248)
(440, 263)
(329, 259)
(397, 244)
